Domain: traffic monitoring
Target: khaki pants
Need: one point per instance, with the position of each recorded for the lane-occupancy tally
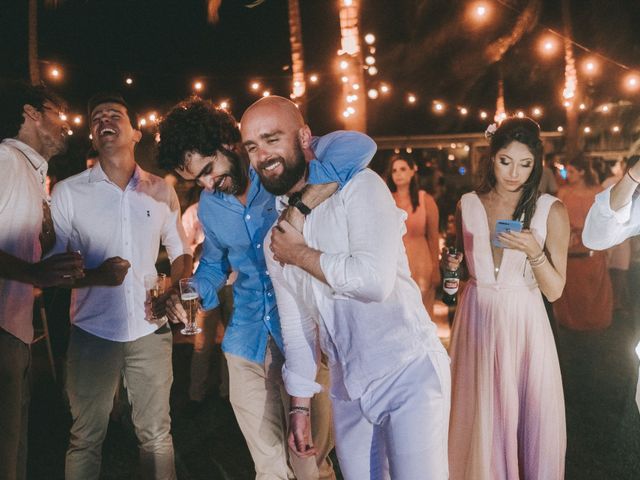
(15, 361)
(261, 404)
(94, 367)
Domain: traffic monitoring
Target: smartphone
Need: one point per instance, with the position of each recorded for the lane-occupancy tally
(505, 226)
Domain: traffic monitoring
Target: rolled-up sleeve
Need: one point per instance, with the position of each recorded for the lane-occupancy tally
(367, 272)
(299, 332)
(339, 156)
(173, 237)
(605, 227)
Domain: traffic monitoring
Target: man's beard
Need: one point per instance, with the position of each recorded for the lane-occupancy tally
(238, 174)
(291, 174)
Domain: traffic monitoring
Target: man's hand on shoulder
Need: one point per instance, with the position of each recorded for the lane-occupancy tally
(294, 217)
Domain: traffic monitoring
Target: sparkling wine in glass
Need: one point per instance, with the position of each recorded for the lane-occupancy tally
(154, 286)
(191, 302)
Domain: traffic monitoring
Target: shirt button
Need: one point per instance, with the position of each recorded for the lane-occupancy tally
(269, 294)
(267, 273)
(258, 245)
(267, 317)
(248, 217)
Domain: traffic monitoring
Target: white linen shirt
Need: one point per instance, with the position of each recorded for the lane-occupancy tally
(22, 191)
(94, 216)
(605, 228)
(369, 319)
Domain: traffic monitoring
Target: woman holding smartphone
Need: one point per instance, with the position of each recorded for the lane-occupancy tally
(507, 410)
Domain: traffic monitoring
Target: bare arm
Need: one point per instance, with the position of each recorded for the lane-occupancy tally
(622, 192)
(289, 247)
(312, 196)
(454, 263)
(58, 270)
(548, 263)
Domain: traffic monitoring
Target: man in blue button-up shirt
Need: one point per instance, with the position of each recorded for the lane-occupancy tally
(236, 212)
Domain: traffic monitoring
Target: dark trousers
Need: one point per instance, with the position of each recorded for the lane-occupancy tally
(15, 362)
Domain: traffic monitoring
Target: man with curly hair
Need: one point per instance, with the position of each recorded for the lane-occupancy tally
(32, 131)
(202, 143)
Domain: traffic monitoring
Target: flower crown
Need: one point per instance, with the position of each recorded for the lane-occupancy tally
(490, 131)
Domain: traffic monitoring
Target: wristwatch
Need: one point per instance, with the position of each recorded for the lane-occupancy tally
(295, 200)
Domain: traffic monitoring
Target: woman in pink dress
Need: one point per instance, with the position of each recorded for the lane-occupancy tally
(421, 239)
(507, 410)
(587, 301)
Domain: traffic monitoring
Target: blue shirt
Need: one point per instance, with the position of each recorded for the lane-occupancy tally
(233, 241)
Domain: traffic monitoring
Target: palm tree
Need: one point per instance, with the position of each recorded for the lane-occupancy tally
(350, 45)
(295, 38)
(34, 68)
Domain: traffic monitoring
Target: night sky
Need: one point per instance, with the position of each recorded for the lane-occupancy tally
(423, 47)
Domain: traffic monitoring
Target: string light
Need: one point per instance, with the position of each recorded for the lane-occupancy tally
(344, 65)
(152, 117)
(224, 105)
(266, 93)
(520, 114)
(356, 86)
(560, 129)
(77, 120)
(536, 112)
(69, 132)
(632, 82)
(548, 45)
(142, 122)
(344, 79)
(483, 115)
(55, 73)
(63, 117)
(582, 106)
(590, 66)
(384, 88)
(255, 86)
(373, 93)
(411, 98)
(198, 86)
(587, 129)
(370, 60)
(463, 111)
(313, 78)
(438, 107)
(605, 108)
(128, 81)
(372, 70)
(369, 39)
(615, 129)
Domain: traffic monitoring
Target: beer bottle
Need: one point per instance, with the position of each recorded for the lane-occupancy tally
(450, 282)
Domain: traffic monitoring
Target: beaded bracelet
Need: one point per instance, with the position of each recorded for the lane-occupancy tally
(299, 410)
(541, 262)
(537, 259)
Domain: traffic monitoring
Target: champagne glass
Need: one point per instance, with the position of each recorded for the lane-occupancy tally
(191, 302)
(154, 286)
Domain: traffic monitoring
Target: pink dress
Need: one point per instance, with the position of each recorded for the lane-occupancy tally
(507, 410)
(417, 247)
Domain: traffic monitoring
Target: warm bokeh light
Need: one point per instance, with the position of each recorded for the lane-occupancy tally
(198, 86)
(77, 120)
(356, 86)
(605, 108)
(632, 82)
(370, 60)
(313, 78)
(344, 79)
(411, 98)
(560, 129)
(69, 132)
(453, 145)
(266, 93)
(478, 12)
(520, 114)
(536, 112)
(347, 3)
(63, 117)
(255, 86)
(587, 130)
(344, 64)
(369, 39)
(483, 115)
(372, 70)
(152, 117)
(438, 107)
(615, 129)
(373, 93)
(590, 66)
(142, 122)
(548, 45)
(224, 105)
(464, 111)
(128, 81)
(55, 73)
(384, 88)
(566, 103)
(351, 110)
(582, 106)
(451, 157)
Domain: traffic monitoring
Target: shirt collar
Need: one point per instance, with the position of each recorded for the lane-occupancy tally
(96, 174)
(36, 160)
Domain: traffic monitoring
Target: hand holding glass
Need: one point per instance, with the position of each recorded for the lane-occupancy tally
(191, 302)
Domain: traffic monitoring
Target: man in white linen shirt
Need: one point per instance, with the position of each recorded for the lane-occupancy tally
(32, 131)
(117, 215)
(614, 217)
(346, 287)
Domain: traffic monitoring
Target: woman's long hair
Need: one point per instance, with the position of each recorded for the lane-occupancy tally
(582, 163)
(527, 132)
(414, 188)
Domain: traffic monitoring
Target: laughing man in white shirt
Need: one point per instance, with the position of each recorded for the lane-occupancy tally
(346, 288)
(117, 215)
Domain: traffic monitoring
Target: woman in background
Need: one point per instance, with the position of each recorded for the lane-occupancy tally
(421, 239)
(587, 300)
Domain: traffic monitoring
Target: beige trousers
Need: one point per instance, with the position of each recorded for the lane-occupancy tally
(261, 404)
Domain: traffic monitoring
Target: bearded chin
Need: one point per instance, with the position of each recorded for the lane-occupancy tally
(292, 174)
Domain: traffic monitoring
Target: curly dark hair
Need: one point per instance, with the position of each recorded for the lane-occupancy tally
(14, 95)
(194, 125)
(527, 132)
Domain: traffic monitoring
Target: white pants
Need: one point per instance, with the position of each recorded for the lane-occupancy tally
(399, 429)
